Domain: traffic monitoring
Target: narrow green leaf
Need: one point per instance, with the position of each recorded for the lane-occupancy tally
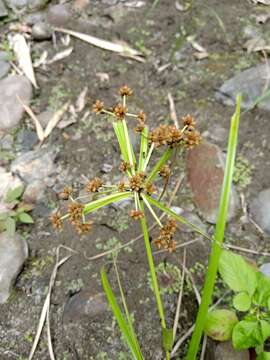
(219, 236)
(106, 200)
(118, 128)
(25, 218)
(164, 158)
(237, 273)
(129, 320)
(119, 316)
(144, 148)
(14, 194)
(10, 225)
(179, 218)
(167, 339)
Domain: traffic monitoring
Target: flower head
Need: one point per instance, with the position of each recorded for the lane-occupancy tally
(94, 185)
(98, 106)
(188, 120)
(136, 182)
(165, 238)
(75, 211)
(121, 186)
(136, 214)
(56, 221)
(165, 171)
(120, 111)
(124, 166)
(192, 137)
(83, 227)
(65, 194)
(125, 91)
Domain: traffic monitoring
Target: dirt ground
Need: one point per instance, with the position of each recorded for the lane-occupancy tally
(84, 147)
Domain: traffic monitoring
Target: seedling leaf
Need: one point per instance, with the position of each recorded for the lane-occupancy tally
(14, 194)
(237, 273)
(25, 218)
(242, 301)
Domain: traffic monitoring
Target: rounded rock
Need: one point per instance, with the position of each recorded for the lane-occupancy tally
(11, 110)
(42, 31)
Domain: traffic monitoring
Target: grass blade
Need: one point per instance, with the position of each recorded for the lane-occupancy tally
(129, 320)
(144, 148)
(179, 218)
(125, 330)
(106, 200)
(219, 236)
(164, 158)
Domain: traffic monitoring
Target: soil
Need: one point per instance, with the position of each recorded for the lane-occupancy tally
(86, 145)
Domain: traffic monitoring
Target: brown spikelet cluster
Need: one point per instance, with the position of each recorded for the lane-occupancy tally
(124, 166)
(166, 135)
(141, 122)
(165, 238)
(98, 106)
(56, 221)
(75, 211)
(188, 120)
(121, 186)
(94, 185)
(65, 193)
(191, 137)
(136, 182)
(136, 214)
(83, 227)
(125, 91)
(150, 188)
(120, 111)
(165, 171)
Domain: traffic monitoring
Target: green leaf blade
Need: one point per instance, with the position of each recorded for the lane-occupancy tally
(25, 218)
(237, 273)
(14, 194)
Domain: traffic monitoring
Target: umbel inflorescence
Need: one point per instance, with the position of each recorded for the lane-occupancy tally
(137, 177)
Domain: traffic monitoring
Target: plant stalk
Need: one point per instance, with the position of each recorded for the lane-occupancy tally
(153, 272)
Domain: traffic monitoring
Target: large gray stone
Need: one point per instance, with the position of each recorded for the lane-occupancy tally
(35, 165)
(205, 171)
(42, 31)
(251, 83)
(225, 351)
(11, 110)
(13, 253)
(85, 304)
(260, 210)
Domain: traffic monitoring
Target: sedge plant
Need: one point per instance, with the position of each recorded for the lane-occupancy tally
(137, 184)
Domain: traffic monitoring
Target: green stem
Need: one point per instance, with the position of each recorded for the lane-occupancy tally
(219, 236)
(153, 272)
(164, 158)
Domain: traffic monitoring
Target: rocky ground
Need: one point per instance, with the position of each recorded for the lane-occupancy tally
(202, 53)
